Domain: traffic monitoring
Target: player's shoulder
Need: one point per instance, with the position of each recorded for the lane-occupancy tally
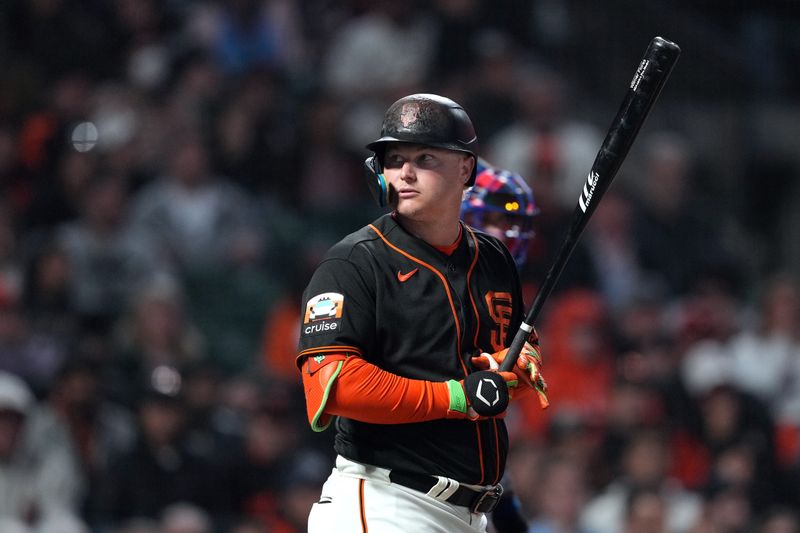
(357, 243)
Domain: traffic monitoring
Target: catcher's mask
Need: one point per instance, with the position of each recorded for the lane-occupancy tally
(501, 203)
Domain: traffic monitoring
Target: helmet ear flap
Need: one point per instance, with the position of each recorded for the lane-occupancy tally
(376, 181)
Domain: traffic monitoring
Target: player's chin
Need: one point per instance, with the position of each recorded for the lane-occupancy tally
(409, 208)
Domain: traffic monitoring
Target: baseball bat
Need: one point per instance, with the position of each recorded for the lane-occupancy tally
(647, 82)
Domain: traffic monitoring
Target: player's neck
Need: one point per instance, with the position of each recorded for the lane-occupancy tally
(437, 233)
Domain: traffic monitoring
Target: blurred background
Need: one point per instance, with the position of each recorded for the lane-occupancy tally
(171, 172)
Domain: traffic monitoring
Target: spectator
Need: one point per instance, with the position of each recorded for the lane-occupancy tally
(257, 128)
(305, 476)
(710, 316)
(566, 493)
(11, 276)
(155, 334)
(726, 509)
(198, 220)
(779, 520)
(738, 436)
(552, 149)
(263, 472)
(60, 193)
(613, 252)
(764, 354)
(250, 34)
(34, 355)
(330, 174)
(362, 66)
(160, 469)
(46, 291)
(672, 215)
(364, 55)
(15, 181)
(98, 428)
(109, 261)
(206, 434)
(490, 96)
(645, 512)
(143, 28)
(185, 518)
(644, 464)
(633, 406)
(58, 172)
(40, 477)
(62, 523)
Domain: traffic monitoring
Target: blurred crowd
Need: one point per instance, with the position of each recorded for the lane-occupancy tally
(171, 171)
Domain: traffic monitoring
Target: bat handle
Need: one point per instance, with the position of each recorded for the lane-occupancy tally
(516, 347)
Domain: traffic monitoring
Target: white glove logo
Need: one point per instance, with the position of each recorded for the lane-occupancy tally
(479, 392)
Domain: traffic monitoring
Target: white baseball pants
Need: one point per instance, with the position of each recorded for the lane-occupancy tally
(360, 498)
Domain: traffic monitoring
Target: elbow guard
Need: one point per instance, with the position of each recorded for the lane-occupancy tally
(319, 375)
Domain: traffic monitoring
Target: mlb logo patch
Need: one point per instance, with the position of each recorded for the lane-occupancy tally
(325, 306)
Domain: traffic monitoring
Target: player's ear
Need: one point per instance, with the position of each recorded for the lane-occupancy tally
(468, 163)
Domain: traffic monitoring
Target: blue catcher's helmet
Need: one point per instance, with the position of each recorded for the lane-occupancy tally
(500, 203)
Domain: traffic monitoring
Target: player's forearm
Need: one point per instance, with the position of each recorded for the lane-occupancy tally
(368, 393)
(353, 388)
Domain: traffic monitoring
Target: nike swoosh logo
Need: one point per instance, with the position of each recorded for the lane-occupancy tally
(404, 277)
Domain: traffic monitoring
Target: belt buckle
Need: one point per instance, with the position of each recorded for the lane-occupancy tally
(487, 501)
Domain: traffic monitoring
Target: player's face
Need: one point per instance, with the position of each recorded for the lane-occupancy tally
(426, 181)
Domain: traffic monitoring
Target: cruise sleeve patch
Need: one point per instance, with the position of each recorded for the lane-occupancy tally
(323, 314)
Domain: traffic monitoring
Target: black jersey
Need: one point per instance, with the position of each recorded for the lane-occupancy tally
(411, 310)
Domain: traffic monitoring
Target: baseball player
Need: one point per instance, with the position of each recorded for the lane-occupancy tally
(397, 318)
(501, 203)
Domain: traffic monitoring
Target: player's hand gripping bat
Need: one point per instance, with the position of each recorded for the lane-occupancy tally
(647, 82)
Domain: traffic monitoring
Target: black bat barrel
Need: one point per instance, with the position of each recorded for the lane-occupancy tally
(643, 90)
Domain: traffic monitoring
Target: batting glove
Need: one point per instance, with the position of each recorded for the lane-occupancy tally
(469, 401)
(528, 368)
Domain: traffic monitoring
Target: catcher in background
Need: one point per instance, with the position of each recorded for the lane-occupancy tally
(502, 204)
(398, 318)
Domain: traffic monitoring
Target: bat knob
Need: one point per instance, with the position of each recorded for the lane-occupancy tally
(487, 392)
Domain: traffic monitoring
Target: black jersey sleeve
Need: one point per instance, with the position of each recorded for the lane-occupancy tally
(338, 310)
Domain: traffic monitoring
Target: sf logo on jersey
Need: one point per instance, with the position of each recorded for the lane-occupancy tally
(322, 312)
(499, 305)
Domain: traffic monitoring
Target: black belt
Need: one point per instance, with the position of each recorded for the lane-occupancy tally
(478, 501)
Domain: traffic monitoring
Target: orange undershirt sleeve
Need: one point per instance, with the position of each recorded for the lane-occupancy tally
(351, 387)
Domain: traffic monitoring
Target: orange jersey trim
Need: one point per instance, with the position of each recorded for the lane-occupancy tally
(444, 284)
(471, 299)
(332, 349)
(475, 343)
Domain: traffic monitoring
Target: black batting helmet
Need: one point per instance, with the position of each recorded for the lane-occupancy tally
(427, 119)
